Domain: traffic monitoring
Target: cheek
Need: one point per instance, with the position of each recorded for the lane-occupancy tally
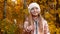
(38, 12)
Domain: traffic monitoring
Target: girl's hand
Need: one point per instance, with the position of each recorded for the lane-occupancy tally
(30, 28)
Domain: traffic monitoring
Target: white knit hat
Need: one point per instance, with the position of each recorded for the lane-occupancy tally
(33, 5)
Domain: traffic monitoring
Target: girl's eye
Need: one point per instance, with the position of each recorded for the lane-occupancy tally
(32, 9)
(36, 8)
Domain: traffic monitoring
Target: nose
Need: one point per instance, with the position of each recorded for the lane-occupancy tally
(34, 9)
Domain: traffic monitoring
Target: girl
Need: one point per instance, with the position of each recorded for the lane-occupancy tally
(34, 23)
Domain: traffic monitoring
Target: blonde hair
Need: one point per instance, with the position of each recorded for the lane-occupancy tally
(30, 20)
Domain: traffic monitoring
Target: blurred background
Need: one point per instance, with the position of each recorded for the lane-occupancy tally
(13, 12)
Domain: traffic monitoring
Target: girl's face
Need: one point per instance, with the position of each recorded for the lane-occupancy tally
(34, 11)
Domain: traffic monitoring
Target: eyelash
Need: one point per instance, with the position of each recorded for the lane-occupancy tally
(36, 8)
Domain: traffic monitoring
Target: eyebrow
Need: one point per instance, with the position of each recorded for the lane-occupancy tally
(34, 7)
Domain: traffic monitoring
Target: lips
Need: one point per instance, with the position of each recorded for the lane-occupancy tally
(35, 13)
